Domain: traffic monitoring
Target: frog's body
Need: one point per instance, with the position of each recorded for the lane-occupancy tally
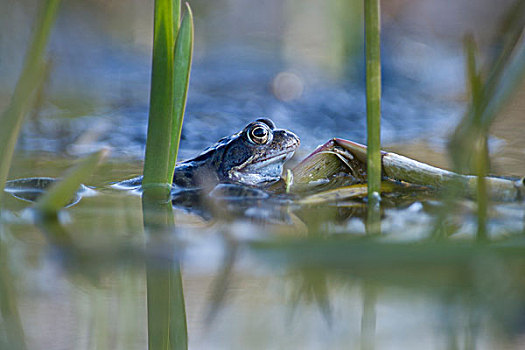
(253, 156)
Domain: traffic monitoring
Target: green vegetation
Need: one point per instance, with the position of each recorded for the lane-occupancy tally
(481, 162)
(60, 193)
(490, 89)
(31, 78)
(169, 87)
(102, 242)
(9, 315)
(161, 98)
(181, 80)
(373, 109)
(169, 84)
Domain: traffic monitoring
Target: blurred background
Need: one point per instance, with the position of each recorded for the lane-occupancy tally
(297, 62)
(300, 63)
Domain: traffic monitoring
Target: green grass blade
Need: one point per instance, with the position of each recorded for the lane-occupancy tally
(496, 92)
(373, 108)
(481, 160)
(507, 37)
(59, 195)
(181, 79)
(176, 17)
(9, 315)
(474, 81)
(510, 79)
(468, 145)
(31, 77)
(170, 76)
(161, 100)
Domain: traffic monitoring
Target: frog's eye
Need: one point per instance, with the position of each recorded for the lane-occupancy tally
(259, 134)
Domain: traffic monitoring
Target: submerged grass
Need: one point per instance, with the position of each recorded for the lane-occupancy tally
(481, 161)
(373, 110)
(9, 315)
(31, 78)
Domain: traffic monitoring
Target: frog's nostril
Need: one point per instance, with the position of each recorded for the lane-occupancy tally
(294, 138)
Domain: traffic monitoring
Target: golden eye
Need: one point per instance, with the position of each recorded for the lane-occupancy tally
(258, 135)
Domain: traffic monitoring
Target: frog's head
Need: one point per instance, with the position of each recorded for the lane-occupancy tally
(256, 154)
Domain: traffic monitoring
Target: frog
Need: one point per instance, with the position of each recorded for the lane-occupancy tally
(254, 156)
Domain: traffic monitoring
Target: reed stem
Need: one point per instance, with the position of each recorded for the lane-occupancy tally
(161, 101)
(172, 54)
(373, 109)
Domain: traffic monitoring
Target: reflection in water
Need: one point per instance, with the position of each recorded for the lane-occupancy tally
(222, 281)
(329, 290)
(12, 336)
(319, 282)
(165, 297)
(368, 319)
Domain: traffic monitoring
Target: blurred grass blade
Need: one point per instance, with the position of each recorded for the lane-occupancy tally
(474, 81)
(369, 316)
(478, 119)
(60, 193)
(373, 110)
(508, 83)
(9, 315)
(161, 100)
(181, 79)
(481, 159)
(468, 145)
(221, 283)
(510, 32)
(359, 253)
(31, 77)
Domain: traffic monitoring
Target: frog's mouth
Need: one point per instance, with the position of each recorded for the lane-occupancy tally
(260, 171)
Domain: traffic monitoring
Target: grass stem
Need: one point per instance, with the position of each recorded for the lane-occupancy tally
(373, 109)
(161, 101)
(172, 55)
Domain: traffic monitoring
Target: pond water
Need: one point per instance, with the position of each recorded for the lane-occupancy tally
(261, 276)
